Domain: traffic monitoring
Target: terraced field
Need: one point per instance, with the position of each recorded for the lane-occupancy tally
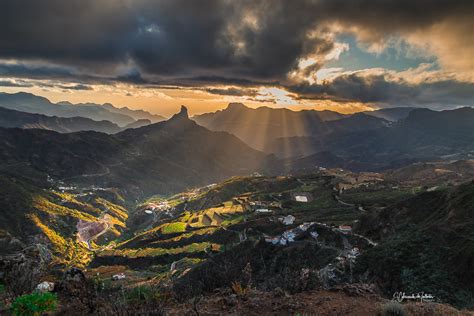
(211, 220)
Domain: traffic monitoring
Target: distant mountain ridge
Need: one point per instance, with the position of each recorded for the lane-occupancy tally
(423, 135)
(262, 126)
(135, 114)
(12, 118)
(30, 103)
(257, 126)
(391, 114)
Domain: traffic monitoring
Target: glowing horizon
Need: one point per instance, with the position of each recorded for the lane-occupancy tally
(327, 55)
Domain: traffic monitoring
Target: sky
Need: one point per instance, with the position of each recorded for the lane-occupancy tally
(340, 55)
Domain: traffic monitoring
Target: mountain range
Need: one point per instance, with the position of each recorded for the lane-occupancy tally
(263, 126)
(30, 103)
(259, 126)
(162, 157)
(424, 135)
(376, 140)
(12, 118)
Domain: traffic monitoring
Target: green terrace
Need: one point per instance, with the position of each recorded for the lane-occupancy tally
(194, 234)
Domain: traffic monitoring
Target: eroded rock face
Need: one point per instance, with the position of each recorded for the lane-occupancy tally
(9, 244)
(74, 287)
(22, 271)
(74, 275)
(73, 282)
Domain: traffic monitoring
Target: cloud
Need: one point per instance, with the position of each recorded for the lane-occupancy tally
(246, 40)
(15, 83)
(414, 87)
(243, 43)
(74, 87)
(33, 70)
(234, 91)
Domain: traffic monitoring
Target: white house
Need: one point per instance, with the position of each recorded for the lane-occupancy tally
(345, 229)
(287, 220)
(301, 198)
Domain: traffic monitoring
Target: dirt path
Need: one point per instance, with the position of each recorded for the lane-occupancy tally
(107, 226)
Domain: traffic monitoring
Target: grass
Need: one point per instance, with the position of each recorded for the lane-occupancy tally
(71, 201)
(43, 204)
(379, 197)
(66, 250)
(57, 240)
(173, 228)
(235, 220)
(154, 252)
(34, 304)
(115, 210)
(392, 309)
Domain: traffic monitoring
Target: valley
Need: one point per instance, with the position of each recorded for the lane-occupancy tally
(297, 233)
(173, 217)
(264, 157)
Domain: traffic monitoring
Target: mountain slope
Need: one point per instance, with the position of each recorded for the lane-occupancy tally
(136, 114)
(391, 114)
(12, 118)
(428, 244)
(138, 123)
(40, 212)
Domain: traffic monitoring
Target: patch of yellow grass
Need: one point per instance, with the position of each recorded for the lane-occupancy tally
(57, 240)
(71, 199)
(154, 252)
(114, 209)
(44, 205)
(66, 251)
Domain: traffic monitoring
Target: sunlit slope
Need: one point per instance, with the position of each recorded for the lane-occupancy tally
(217, 217)
(41, 213)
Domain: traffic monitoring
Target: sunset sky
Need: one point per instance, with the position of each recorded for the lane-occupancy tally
(340, 55)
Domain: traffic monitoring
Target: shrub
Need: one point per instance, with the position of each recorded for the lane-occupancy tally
(34, 304)
(238, 289)
(141, 300)
(141, 294)
(393, 309)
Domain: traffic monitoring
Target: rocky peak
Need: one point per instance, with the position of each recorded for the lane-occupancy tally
(182, 114)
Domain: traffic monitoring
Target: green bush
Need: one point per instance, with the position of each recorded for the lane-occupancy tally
(393, 309)
(34, 304)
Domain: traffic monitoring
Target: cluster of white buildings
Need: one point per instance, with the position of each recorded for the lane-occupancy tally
(290, 235)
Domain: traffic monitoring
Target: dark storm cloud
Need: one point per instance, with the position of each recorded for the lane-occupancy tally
(249, 39)
(34, 71)
(74, 87)
(379, 89)
(236, 92)
(8, 83)
(162, 37)
(206, 41)
(73, 32)
(43, 84)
